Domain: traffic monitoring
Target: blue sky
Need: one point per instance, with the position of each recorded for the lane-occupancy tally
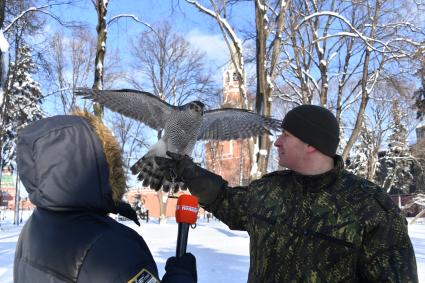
(197, 28)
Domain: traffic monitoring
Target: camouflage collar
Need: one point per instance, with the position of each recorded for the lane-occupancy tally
(316, 183)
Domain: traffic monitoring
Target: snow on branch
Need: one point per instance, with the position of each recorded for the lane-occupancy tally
(332, 14)
(40, 9)
(4, 45)
(305, 72)
(223, 23)
(366, 39)
(372, 81)
(419, 199)
(136, 19)
(261, 6)
(399, 25)
(29, 10)
(235, 46)
(357, 34)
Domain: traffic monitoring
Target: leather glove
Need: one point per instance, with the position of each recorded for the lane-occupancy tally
(181, 266)
(201, 183)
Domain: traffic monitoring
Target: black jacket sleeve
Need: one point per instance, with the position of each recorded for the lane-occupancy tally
(119, 255)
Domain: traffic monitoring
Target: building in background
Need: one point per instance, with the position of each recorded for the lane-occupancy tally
(8, 192)
(7, 189)
(230, 159)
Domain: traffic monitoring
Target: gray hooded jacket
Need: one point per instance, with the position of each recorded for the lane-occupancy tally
(69, 237)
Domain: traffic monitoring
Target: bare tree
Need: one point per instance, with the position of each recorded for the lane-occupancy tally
(339, 50)
(174, 71)
(70, 65)
(364, 158)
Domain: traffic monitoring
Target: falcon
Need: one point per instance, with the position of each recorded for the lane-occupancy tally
(182, 126)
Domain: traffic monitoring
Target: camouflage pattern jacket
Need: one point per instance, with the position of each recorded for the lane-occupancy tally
(334, 227)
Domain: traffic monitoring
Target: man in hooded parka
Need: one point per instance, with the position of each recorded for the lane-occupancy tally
(72, 168)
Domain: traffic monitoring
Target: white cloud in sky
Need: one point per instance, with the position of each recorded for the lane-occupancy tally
(212, 44)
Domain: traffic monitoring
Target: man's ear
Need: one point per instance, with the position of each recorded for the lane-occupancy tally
(310, 149)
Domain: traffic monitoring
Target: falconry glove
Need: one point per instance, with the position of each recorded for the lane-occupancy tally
(202, 183)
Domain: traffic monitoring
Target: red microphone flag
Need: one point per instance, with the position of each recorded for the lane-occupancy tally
(187, 209)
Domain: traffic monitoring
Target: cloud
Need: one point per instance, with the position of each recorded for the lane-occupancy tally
(212, 44)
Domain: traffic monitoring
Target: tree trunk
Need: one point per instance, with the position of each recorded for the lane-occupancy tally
(2, 61)
(263, 102)
(101, 8)
(364, 87)
(163, 200)
(2, 6)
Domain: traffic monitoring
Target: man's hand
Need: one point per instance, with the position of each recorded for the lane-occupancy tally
(202, 183)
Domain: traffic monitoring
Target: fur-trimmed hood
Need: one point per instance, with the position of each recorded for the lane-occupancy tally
(72, 162)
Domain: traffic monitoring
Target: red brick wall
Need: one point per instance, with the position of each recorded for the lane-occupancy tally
(224, 158)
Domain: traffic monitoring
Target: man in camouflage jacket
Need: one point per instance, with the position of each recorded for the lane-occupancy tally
(315, 222)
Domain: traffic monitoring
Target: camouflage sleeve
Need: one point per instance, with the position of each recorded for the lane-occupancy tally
(387, 253)
(231, 207)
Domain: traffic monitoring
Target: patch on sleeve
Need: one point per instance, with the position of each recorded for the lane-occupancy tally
(144, 276)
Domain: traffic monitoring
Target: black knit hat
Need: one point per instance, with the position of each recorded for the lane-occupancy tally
(314, 125)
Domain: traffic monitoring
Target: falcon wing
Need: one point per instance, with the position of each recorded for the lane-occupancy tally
(232, 124)
(139, 105)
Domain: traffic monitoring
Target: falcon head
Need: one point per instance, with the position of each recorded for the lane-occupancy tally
(196, 106)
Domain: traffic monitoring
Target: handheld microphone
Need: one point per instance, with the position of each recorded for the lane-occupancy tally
(186, 214)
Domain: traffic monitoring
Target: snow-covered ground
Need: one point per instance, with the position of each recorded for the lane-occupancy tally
(417, 235)
(222, 254)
